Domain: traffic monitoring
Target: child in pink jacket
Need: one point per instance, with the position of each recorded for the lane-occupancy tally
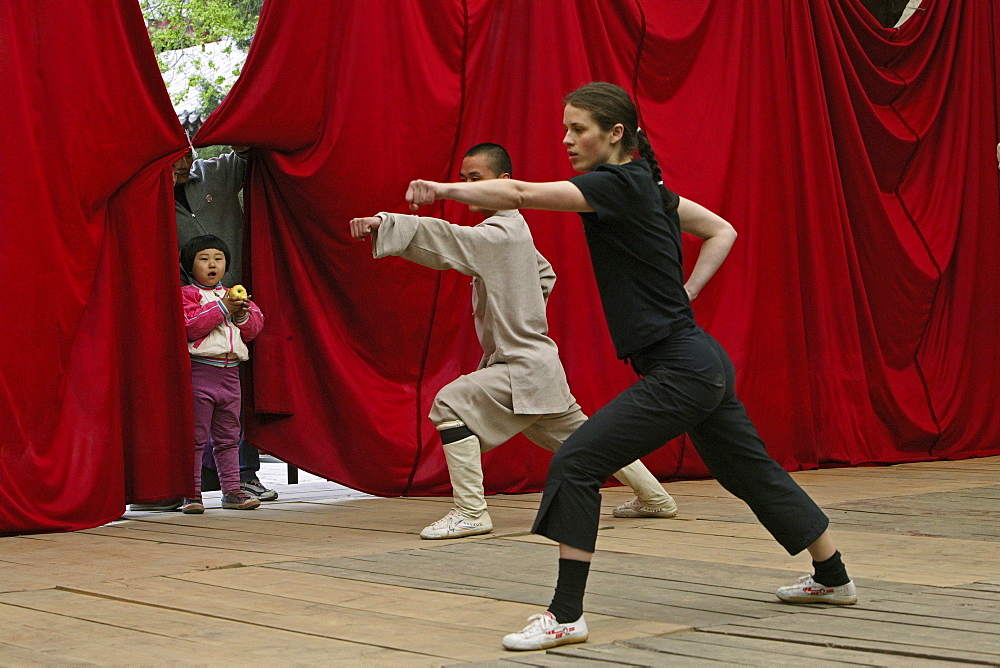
(218, 326)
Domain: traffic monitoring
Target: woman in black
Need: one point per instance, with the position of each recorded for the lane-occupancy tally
(686, 385)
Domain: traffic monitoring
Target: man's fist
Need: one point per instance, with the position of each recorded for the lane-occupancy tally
(421, 192)
(362, 227)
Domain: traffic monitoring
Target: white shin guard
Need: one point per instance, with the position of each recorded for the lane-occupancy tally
(644, 484)
(465, 467)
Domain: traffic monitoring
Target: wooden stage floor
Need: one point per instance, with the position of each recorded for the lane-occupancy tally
(326, 576)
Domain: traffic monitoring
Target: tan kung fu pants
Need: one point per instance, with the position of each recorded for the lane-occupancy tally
(483, 402)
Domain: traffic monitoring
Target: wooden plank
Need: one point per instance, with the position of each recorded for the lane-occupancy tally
(504, 577)
(754, 530)
(261, 544)
(751, 585)
(942, 471)
(443, 607)
(894, 516)
(83, 558)
(969, 596)
(850, 526)
(553, 659)
(142, 634)
(924, 505)
(526, 659)
(860, 547)
(11, 655)
(449, 640)
(928, 623)
(879, 647)
(900, 558)
(400, 516)
(632, 655)
(849, 624)
(974, 464)
(993, 588)
(764, 651)
(261, 548)
(829, 492)
(538, 596)
(892, 475)
(251, 527)
(852, 491)
(63, 638)
(923, 605)
(14, 577)
(992, 493)
(314, 630)
(934, 527)
(947, 599)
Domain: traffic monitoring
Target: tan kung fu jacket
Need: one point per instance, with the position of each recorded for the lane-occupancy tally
(511, 285)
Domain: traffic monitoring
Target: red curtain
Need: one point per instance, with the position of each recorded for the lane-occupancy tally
(94, 385)
(860, 302)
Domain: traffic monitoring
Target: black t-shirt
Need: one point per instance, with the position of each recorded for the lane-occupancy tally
(635, 247)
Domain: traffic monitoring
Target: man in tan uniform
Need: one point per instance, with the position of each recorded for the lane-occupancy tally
(520, 385)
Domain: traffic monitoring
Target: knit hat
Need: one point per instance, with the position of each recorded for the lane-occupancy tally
(198, 244)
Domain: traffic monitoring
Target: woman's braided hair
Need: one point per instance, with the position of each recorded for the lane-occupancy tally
(609, 105)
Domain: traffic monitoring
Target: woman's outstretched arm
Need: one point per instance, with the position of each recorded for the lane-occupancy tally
(501, 194)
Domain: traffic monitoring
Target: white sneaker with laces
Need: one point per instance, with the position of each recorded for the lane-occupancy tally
(457, 525)
(634, 508)
(543, 631)
(807, 590)
(256, 488)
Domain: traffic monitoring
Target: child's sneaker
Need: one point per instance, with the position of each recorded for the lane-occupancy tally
(634, 508)
(457, 525)
(192, 507)
(543, 631)
(157, 506)
(807, 590)
(239, 500)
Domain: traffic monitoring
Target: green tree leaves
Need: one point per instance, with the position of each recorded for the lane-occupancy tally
(209, 32)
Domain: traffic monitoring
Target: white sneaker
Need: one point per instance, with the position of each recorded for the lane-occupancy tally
(543, 631)
(634, 508)
(807, 590)
(457, 525)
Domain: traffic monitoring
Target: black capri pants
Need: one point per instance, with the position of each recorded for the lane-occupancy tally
(687, 385)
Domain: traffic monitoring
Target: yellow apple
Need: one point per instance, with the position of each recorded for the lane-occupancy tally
(237, 292)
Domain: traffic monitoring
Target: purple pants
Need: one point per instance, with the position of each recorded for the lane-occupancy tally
(217, 402)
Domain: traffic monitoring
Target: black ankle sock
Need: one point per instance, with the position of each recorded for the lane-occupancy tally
(831, 572)
(567, 603)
